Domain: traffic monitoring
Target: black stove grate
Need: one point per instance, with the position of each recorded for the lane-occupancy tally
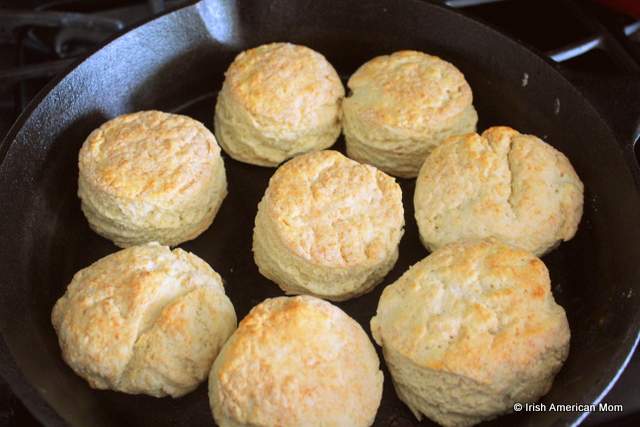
(46, 40)
(584, 26)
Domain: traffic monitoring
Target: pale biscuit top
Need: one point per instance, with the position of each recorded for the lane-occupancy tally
(503, 184)
(297, 361)
(479, 309)
(409, 90)
(283, 85)
(149, 154)
(331, 210)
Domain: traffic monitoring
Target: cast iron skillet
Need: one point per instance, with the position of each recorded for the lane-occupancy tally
(176, 63)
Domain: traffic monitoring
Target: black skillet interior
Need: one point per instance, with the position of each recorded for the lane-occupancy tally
(176, 63)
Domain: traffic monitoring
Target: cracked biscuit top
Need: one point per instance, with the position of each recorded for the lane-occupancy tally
(333, 211)
(144, 320)
(500, 184)
(409, 90)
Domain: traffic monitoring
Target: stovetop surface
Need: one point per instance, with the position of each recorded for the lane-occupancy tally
(570, 27)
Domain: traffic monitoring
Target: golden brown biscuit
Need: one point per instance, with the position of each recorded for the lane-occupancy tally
(151, 176)
(470, 330)
(144, 320)
(328, 226)
(295, 362)
(277, 101)
(502, 184)
(402, 106)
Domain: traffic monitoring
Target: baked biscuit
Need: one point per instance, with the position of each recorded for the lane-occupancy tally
(144, 320)
(502, 184)
(295, 362)
(328, 226)
(151, 176)
(277, 101)
(471, 330)
(402, 106)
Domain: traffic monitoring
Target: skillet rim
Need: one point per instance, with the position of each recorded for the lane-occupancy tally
(39, 406)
